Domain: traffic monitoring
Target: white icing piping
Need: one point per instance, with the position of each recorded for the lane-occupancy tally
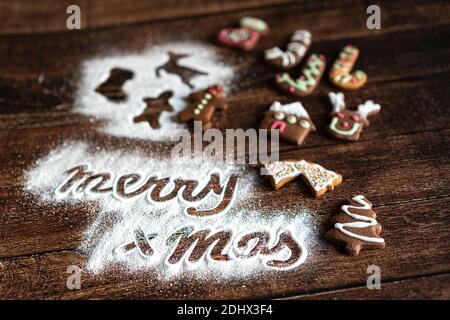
(368, 108)
(337, 100)
(295, 108)
(358, 224)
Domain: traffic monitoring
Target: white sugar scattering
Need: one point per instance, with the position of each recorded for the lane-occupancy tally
(124, 217)
(118, 116)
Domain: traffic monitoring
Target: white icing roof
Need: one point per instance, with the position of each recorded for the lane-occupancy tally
(295, 108)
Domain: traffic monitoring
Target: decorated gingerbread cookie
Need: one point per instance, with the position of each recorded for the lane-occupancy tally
(246, 36)
(308, 79)
(319, 179)
(203, 105)
(346, 124)
(296, 49)
(292, 121)
(356, 227)
(340, 73)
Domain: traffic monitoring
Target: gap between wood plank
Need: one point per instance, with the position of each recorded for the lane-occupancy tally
(360, 286)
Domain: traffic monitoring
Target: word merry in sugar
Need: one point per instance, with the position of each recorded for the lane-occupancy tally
(81, 180)
(190, 246)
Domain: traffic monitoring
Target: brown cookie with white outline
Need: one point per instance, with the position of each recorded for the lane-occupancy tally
(356, 227)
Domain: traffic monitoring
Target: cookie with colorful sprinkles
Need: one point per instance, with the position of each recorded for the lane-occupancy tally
(319, 179)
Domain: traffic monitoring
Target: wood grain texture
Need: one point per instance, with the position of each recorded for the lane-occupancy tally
(401, 162)
(430, 287)
(29, 16)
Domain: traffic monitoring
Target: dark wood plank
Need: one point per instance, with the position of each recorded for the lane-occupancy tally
(407, 145)
(425, 159)
(28, 16)
(407, 230)
(49, 104)
(430, 287)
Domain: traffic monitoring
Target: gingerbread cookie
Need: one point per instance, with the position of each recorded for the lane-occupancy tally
(203, 105)
(296, 49)
(292, 121)
(246, 36)
(319, 179)
(307, 81)
(346, 124)
(356, 227)
(340, 74)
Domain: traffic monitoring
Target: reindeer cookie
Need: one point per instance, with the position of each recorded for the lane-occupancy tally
(292, 121)
(340, 74)
(346, 124)
(356, 227)
(319, 179)
(203, 105)
(307, 81)
(246, 36)
(296, 49)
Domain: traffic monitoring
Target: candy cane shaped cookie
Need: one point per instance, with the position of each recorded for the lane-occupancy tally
(296, 49)
(340, 73)
(307, 81)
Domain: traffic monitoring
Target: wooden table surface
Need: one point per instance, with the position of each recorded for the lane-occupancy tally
(401, 163)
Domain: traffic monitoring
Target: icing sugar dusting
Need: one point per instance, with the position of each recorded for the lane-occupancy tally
(116, 220)
(146, 84)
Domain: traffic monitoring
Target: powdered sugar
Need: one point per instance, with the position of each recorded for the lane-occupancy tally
(137, 233)
(146, 84)
(101, 242)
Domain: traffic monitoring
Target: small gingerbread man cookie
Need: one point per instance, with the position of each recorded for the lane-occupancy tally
(292, 121)
(319, 179)
(203, 105)
(340, 73)
(308, 79)
(346, 124)
(356, 227)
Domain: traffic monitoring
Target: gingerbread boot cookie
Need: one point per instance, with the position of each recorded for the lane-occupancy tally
(356, 227)
(202, 107)
(246, 36)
